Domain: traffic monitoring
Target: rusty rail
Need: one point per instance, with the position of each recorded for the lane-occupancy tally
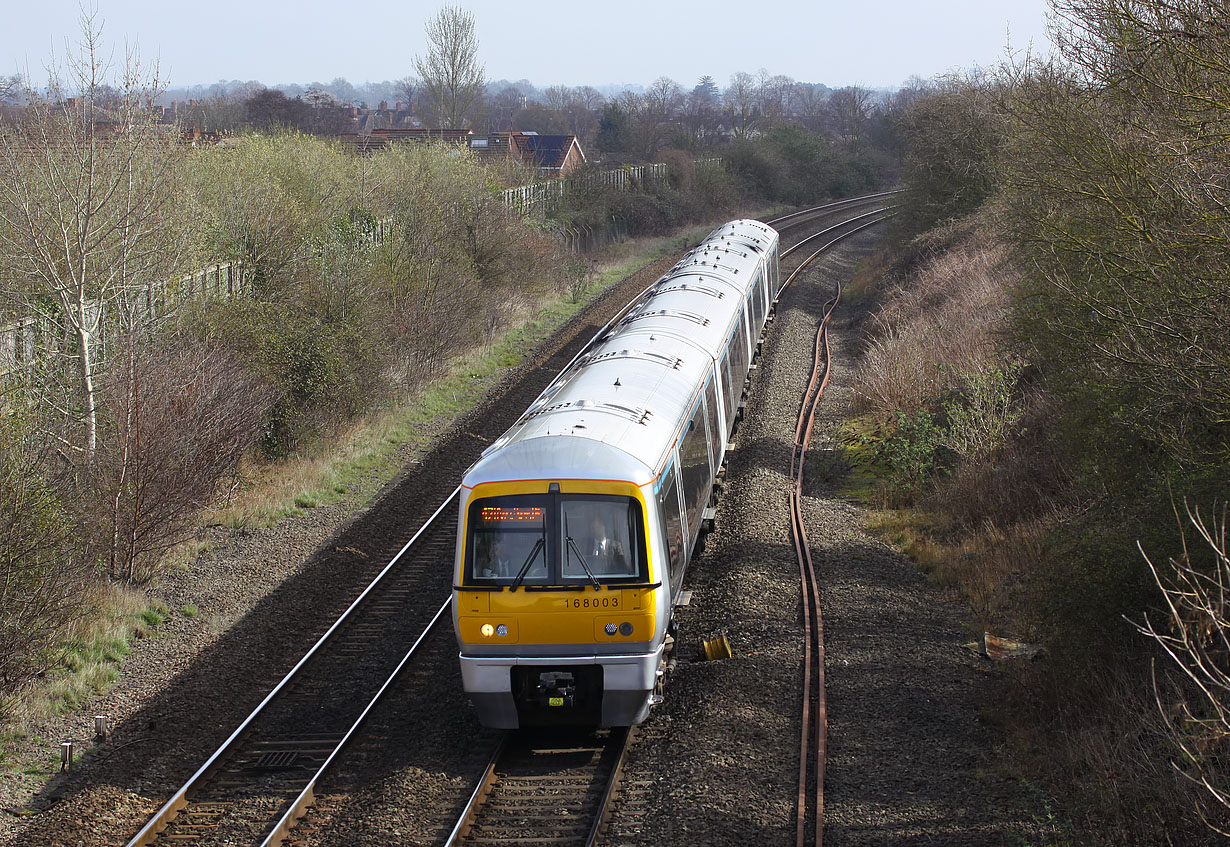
(813, 740)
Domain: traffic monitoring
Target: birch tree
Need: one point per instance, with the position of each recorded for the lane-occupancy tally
(87, 184)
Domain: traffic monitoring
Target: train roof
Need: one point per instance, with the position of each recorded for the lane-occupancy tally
(616, 411)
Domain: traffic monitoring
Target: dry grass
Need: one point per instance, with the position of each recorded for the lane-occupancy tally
(936, 330)
(1095, 736)
(89, 659)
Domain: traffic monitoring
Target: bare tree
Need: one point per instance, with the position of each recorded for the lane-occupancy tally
(851, 109)
(664, 97)
(451, 73)
(86, 217)
(740, 100)
(774, 95)
(10, 88)
(557, 97)
(810, 101)
(184, 415)
(590, 97)
(1196, 640)
(406, 88)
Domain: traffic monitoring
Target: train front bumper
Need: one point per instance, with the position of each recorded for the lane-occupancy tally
(613, 690)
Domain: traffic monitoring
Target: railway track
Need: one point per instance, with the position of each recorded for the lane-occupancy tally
(813, 742)
(254, 788)
(545, 787)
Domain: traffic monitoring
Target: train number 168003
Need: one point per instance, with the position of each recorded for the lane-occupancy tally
(595, 603)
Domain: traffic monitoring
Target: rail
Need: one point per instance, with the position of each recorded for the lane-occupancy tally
(180, 799)
(813, 742)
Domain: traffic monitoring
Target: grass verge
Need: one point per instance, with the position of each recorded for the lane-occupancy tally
(368, 453)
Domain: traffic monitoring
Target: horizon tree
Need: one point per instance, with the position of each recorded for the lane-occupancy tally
(450, 72)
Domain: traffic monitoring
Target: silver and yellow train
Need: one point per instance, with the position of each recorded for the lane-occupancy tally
(577, 524)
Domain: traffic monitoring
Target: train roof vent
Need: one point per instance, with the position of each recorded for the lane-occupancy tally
(683, 286)
(715, 264)
(635, 414)
(668, 313)
(672, 362)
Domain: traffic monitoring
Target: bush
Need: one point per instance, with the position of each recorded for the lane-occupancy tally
(46, 574)
(320, 373)
(182, 415)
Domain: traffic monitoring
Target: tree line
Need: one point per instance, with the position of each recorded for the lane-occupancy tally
(1076, 414)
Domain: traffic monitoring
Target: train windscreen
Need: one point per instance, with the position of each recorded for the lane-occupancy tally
(598, 538)
(555, 539)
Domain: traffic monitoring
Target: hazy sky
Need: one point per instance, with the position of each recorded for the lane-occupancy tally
(837, 43)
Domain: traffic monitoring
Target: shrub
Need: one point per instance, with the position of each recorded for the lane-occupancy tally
(182, 415)
(46, 574)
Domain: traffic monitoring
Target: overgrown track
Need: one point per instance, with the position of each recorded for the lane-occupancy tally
(247, 792)
(814, 708)
(545, 787)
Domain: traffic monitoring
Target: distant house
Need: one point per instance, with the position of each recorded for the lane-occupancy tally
(551, 155)
(556, 155)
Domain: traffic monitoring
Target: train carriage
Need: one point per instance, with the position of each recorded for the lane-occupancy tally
(577, 525)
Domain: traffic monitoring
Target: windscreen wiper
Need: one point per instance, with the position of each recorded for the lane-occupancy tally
(581, 559)
(538, 545)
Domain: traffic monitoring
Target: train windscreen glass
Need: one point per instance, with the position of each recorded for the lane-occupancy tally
(555, 539)
(508, 539)
(599, 538)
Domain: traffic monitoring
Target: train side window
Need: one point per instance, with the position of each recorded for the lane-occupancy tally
(672, 523)
(739, 356)
(694, 468)
(724, 372)
(756, 300)
(715, 427)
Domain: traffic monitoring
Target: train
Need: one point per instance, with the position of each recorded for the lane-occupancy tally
(576, 526)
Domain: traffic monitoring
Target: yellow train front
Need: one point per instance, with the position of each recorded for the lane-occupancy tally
(577, 525)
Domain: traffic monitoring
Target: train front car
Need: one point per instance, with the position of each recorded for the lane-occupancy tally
(577, 524)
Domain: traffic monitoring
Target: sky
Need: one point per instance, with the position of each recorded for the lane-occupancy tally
(873, 44)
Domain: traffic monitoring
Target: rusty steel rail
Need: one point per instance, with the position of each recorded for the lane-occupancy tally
(182, 797)
(814, 733)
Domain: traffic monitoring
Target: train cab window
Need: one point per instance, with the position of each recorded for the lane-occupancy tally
(554, 540)
(599, 538)
(508, 539)
(672, 524)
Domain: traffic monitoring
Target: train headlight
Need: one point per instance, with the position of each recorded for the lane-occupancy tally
(611, 629)
(501, 630)
(487, 630)
(625, 628)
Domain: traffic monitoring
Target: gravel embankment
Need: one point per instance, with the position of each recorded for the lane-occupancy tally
(909, 760)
